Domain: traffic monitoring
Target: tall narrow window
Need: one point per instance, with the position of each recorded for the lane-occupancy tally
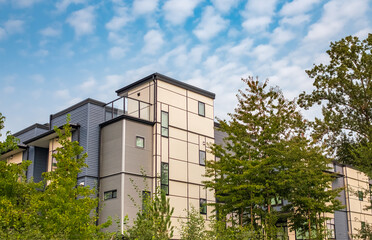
(145, 200)
(203, 206)
(202, 157)
(54, 160)
(164, 124)
(140, 142)
(360, 195)
(201, 109)
(165, 177)
(331, 228)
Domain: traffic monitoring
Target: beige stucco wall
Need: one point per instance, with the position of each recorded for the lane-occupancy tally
(16, 158)
(53, 145)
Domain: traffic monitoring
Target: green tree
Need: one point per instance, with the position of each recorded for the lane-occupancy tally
(255, 168)
(153, 220)
(10, 142)
(194, 227)
(66, 209)
(344, 86)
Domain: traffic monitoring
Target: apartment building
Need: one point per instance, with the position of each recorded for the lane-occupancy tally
(156, 135)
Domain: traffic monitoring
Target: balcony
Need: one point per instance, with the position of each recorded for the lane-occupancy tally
(130, 107)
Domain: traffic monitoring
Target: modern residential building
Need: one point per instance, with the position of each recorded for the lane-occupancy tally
(156, 135)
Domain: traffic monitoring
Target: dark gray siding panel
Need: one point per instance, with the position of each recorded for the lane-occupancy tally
(96, 117)
(40, 163)
(219, 136)
(31, 134)
(341, 225)
(31, 157)
(339, 183)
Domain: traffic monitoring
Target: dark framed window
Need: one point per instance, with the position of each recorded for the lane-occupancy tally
(140, 142)
(164, 124)
(165, 177)
(202, 157)
(331, 228)
(203, 205)
(110, 194)
(363, 225)
(201, 109)
(360, 195)
(145, 199)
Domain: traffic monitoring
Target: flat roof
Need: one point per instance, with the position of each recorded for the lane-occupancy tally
(21, 148)
(43, 139)
(36, 125)
(77, 105)
(168, 80)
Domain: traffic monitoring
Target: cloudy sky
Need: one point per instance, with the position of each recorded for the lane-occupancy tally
(56, 53)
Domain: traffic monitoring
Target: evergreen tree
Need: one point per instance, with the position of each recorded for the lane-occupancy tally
(256, 168)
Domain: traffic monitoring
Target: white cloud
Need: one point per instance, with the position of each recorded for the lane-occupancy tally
(144, 6)
(264, 52)
(63, 4)
(63, 93)
(24, 3)
(13, 26)
(82, 21)
(176, 11)
(258, 15)
(118, 39)
(50, 32)
(8, 89)
(337, 15)
(117, 22)
(153, 41)
(38, 78)
(211, 24)
(296, 20)
(117, 52)
(298, 7)
(88, 84)
(281, 36)
(225, 6)
(2, 33)
(243, 48)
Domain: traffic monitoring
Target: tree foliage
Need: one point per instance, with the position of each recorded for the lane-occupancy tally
(55, 208)
(10, 142)
(194, 227)
(265, 154)
(344, 86)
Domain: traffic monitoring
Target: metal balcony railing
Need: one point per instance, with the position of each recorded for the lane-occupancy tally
(128, 106)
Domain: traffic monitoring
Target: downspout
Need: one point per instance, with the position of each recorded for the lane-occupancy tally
(156, 129)
(348, 211)
(99, 172)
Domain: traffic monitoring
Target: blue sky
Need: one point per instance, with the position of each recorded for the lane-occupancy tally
(56, 53)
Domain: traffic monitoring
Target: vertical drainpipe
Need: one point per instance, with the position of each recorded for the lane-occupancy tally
(156, 128)
(348, 210)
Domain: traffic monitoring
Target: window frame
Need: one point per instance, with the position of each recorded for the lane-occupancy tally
(161, 124)
(200, 159)
(203, 206)
(203, 108)
(143, 142)
(164, 185)
(114, 194)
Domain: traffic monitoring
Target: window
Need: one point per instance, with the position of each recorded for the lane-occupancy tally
(165, 177)
(164, 124)
(110, 194)
(201, 109)
(202, 157)
(145, 199)
(331, 228)
(360, 195)
(276, 201)
(363, 225)
(203, 206)
(140, 142)
(54, 161)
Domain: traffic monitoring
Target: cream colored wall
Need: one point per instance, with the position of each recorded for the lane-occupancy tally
(16, 158)
(188, 133)
(146, 94)
(53, 145)
(357, 181)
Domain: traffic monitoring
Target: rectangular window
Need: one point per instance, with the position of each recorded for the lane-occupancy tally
(202, 157)
(140, 142)
(360, 195)
(54, 160)
(145, 200)
(203, 206)
(165, 177)
(276, 201)
(110, 194)
(201, 109)
(331, 228)
(363, 225)
(164, 124)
